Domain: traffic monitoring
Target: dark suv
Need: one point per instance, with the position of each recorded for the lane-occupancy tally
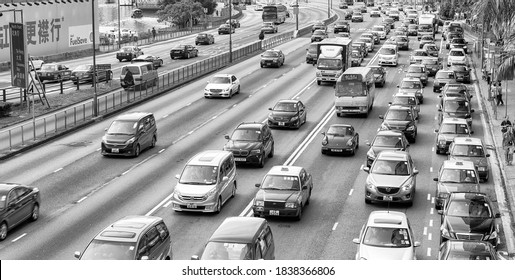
(251, 143)
(183, 51)
(129, 134)
(204, 38)
(341, 26)
(401, 118)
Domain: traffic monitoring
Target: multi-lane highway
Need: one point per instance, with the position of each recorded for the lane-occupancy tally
(83, 192)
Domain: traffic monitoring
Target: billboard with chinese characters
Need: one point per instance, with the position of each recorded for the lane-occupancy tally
(52, 28)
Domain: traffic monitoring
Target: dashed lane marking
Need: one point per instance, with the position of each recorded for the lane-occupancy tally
(19, 237)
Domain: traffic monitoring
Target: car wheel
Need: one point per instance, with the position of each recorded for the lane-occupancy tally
(409, 203)
(437, 151)
(153, 143)
(230, 94)
(368, 201)
(299, 214)
(357, 143)
(218, 205)
(196, 54)
(261, 163)
(338, 114)
(309, 197)
(137, 151)
(486, 177)
(196, 43)
(120, 60)
(272, 151)
(35, 213)
(188, 56)
(3, 231)
(233, 193)
(238, 90)
(261, 65)
(318, 82)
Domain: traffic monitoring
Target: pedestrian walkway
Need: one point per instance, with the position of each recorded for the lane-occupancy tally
(504, 182)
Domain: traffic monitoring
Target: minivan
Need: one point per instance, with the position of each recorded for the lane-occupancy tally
(129, 134)
(240, 238)
(206, 183)
(312, 53)
(143, 73)
(131, 238)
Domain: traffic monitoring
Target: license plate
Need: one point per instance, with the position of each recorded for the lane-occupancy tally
(281, 123)
(240, 159)
(191, 205)
(115, 150)
(268, 63)
(387, 198)
(274, 213)
(337, 150)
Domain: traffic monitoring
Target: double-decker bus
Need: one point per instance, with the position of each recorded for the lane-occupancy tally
(274, 13)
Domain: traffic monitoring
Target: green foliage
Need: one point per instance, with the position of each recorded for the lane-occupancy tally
(5, 109)
(447, 10)
(209, 4)
(181, 12)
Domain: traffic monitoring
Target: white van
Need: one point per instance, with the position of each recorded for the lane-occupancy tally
(144, 75)
(207, 181)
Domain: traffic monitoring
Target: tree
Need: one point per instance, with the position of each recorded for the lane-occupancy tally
(209, 4)
(181, 12)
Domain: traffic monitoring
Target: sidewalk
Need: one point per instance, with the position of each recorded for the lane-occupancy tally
(504, 182)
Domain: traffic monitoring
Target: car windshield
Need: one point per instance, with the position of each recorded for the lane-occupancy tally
(387, 51)
(339, 130)
(445, 75)
(246, 135)
(420, 53)
(281, 182)
(376, 70)
(126, 49)
(319, 32)
(84, 67)
(378, 28)
(350, 88)
(429, 61)
(464, 253)
(398, 115)
(411, 85)
(451, 128)
(467, 151)
(329, 64)
(458, 176)
(123, 127)
(415, 69)
(458, 41)
(457, 53)
(468, 208)
(390, 167)
(199, 175)
(387, 237)
(388, 141)
(456, 106)
(285, 107)
(220, 80)
(226, 251)
(134, 70)
(426, 38)
(354, 54)
(49, 67)
(459, 68)
(271, 54)
(109, 250)
(404, 100)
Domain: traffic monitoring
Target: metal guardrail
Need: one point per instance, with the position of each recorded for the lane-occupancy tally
(19, 136)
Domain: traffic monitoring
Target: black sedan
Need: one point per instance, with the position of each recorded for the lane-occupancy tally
(17, 204)
(156, 61)
(469, 216)
(287, 113)
(462, 73)
(225, 29)
(379, 75)
(469, 250)
(183, 51)
(340, 138)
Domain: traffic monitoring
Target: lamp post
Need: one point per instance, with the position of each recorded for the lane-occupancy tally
(230, 32)
(296, 11)
(328, 9)
(95, 96)
(119, 27)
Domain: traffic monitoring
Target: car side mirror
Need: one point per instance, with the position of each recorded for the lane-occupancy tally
(436, 130)
(440, 212)
(227, 137)
(497, 215)
(435, 179)
(366, 169)
(381, 116)
(417, 244)
(177, 176)
(367, 143)
(472, 132)
(305, 187)
(77, 254)
(472, 110)
(355, 240)
(195, 257)
(323, 133)
(257, 185)
(225, 179)
(415, 171)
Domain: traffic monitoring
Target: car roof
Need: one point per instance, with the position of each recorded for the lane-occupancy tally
(393, 219)
(285, 170)
(454, 120)
(404, 94)
(209, 158)
(238, 230)
(469, 196)
(457, 49)
(389, 133)
(253, 125)
(133, 116)
(399, 107)
(458, 164)
(393, 155)
(292, 101)
(6, 187)
(127, 229)
(410, 80)
(223, 75)
(468, 141)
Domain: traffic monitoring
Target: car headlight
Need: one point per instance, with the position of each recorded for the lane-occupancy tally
(206, 90)
(445, 233)
(442, 142)
(408, 184)
(270, 117)
(275, 60)
(294, 118)
(255, 151)
(481, 168)
(130, 141)
(493, 235)
(209, 193)
(443, 195)
(325, 141)
(259, 203)
(226, 89)
(371, 154)
(290, 205)
(384, 127)
(369, 184)
(350, 142)
(176, 194)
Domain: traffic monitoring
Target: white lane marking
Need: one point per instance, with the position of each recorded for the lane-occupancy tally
(19, 237)
(167, 204)
(159, 205)
(428, 196)
(335, 225)
(425, 230)
(362, 166)
(433, 149)
(429, 252)
(160, 151)
(432, 211)
(429, 236)
(431, 222)
(432, 201)
(58, 169)
(351, 191)
(99, 149)
(431, 169)
(165, 116)
(82, 199)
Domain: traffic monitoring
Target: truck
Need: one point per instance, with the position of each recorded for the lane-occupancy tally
(426, 25)
(333, 58)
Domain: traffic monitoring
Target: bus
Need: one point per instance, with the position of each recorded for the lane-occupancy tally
(355, 91)
(274, 13)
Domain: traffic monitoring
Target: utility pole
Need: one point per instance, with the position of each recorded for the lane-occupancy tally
(230, 32)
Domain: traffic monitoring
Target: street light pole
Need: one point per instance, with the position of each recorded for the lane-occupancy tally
(119, 27)
(230, 32)
(95, 96)
(328, 11)
(297, 15)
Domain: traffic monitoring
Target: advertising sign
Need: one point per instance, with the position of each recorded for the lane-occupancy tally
(80, 35)
(18, 55)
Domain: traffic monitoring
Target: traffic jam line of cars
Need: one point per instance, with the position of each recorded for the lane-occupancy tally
(209, 180)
